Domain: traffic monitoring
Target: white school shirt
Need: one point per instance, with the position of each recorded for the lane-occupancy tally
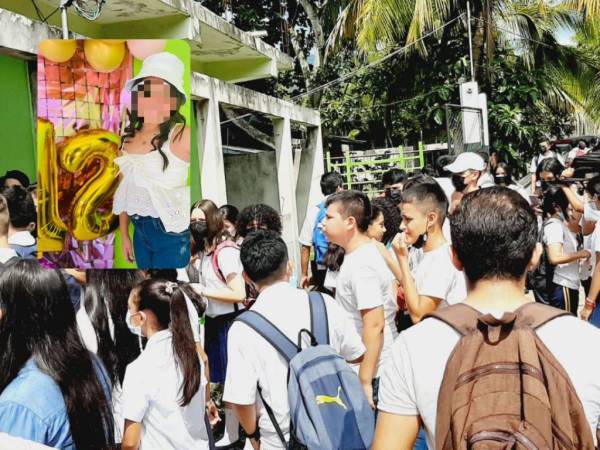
(151, 395)
(556, 232)
(364, 282)
(539, 158)
(7, 253)
(435, 276)
(253, 361)
(411, 379)
(229, 262)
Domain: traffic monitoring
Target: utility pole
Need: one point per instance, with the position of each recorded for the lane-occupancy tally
(470, 40)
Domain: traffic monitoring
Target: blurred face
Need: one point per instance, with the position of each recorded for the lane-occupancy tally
(376, 228)
(229, 227)
(414, 222)
(335, 227)
(198, 215)
(155, 103)
(500, 172)
(547, 177)
(9, 182)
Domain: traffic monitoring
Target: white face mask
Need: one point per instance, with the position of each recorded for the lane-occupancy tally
(135, 330)
(591, 212)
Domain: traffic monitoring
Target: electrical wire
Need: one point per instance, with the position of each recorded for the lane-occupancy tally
(520, 36)
(368, 66)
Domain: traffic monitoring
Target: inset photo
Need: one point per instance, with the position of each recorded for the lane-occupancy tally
(113, 138)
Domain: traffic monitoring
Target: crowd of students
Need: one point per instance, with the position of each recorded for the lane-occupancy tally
(167, 359)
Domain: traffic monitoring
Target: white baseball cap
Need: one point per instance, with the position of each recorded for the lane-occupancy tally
(466, 161)
(163, 65)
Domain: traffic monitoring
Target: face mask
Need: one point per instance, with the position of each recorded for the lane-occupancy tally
(501, 180)
(137, 330)
(582, 146)
(547, 184)
(458, 182)
(420, 242)
(199, 232)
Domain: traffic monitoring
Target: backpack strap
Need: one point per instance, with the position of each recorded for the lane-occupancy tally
(214, 259)
(463, 318)
(270, 332)
(535, 315)
(319, 325)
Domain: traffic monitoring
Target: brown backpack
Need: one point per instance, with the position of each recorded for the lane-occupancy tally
(503, 389)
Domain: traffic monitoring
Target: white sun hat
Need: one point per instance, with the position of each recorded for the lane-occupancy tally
(163, 65)
(466, 161)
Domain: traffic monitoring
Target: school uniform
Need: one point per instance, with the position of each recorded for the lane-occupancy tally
(151, 395)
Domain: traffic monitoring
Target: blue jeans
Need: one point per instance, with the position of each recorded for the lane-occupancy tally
(155, 248)
(595, 317)
(421, 442)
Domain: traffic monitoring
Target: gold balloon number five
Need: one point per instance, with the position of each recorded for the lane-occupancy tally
(84, 220)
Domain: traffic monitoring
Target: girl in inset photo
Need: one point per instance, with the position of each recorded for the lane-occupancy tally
(155, 156)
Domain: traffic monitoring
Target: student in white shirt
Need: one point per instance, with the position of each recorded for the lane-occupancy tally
(364, 284)
(331, 182)
(590, 310)
(503, 177)
(6, 252)
(253, 362)
(433, 280)
(494, 235)
(562, 250)
(546, 152)
(164, 390)
(224, 289)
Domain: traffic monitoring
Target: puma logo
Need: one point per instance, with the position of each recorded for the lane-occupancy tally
(324, 399)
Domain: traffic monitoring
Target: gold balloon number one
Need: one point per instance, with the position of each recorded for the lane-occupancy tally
(84, 220)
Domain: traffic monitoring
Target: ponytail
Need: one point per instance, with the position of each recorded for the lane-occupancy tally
(167, 300)
(184, 347)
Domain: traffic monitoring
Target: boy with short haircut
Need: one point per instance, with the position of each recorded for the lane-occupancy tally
(364, 286)
(432, 280)
(23, 219)
(494, 235)
(6, 252)
(253, 361)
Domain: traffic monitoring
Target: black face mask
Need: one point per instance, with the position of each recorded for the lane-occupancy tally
(199, 232)
(582, 146)
(420, 242)
(458, 182)
(547, 184)
(502, 180)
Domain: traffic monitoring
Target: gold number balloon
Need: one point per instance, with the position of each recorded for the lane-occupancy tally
(51, 228)
(87, 222)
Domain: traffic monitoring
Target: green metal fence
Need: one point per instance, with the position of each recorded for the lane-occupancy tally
(363, 170)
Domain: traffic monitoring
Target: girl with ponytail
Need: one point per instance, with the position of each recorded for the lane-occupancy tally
(164, 391)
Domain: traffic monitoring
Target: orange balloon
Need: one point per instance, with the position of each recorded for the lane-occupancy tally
(57, 50)
(87, 222)
(102, 56)
(51, 228)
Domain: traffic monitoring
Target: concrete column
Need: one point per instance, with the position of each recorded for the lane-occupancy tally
(312, 167)
(210, 150)
(287, 191)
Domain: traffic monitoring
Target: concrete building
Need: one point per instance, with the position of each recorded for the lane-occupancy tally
(222, 55)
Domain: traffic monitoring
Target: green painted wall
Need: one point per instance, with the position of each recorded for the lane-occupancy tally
(17, 150)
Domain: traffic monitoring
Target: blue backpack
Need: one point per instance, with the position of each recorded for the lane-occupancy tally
(328, 407)
(320, 242)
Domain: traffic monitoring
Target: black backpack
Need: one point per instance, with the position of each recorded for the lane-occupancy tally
(540, 279)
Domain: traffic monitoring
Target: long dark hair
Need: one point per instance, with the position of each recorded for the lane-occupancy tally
(215, 227)
(106, 294)
(136, 122)
(391, 217)
(39, 323)
(171, 309)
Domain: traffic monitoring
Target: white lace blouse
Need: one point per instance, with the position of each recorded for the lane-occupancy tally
(147, 190)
